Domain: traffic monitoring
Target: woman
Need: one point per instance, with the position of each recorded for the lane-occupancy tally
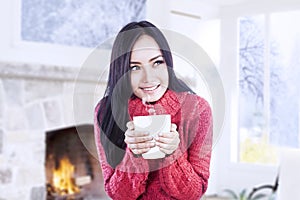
(142, 67)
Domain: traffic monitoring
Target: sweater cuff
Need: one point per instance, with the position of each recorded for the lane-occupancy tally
(132, 163)
(169, 159)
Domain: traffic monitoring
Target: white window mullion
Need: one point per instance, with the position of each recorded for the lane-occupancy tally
(299, 119)
(267, 74)
(16, 26)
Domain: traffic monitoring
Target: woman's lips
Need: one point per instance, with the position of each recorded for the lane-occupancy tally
(150, 89)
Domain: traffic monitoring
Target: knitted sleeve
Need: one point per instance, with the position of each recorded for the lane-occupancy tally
(128, 180)
(187, 177)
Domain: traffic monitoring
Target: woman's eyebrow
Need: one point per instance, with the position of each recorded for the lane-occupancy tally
(136, 62)
(155, 58)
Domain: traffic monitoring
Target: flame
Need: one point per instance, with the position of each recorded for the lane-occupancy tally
(63, 181)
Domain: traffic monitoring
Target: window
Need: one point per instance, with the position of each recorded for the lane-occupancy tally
(269, 99)
(76, 23)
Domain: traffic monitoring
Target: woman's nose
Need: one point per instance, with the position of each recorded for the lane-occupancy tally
(149, 74)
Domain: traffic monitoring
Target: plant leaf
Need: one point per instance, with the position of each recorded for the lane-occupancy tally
(243, 194)
(258, 196)
(231, 193)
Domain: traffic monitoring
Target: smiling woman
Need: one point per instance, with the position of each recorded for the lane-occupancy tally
(141, 69)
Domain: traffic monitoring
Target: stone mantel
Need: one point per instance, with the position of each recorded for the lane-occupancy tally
(47, 72)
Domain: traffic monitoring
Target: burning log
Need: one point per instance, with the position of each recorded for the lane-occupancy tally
(63, 180)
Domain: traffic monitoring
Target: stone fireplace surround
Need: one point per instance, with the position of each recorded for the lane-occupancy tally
(35, 99)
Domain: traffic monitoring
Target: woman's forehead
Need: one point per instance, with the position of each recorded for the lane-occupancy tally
(145, 42)
(145, 49)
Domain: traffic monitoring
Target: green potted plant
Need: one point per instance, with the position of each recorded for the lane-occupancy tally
(243, 195)
(256, 193)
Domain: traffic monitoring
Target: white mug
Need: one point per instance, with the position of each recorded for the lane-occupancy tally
(154, 124)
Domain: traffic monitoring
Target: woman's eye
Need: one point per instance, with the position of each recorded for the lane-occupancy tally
(134, 68)
(158, 62)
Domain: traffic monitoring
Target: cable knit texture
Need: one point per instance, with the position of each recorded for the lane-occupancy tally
(182, 175)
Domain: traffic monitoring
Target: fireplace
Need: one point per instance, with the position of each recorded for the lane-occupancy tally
(72, 169)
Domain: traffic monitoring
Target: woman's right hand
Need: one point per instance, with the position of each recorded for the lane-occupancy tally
(138, 142)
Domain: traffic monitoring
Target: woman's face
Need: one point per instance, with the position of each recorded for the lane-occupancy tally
(149, 73)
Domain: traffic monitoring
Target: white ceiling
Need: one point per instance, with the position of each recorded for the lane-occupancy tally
(222, 2)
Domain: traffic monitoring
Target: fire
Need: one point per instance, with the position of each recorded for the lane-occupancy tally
(63, 181)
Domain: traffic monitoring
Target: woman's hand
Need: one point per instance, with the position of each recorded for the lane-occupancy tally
(168, 142)
(138, 142)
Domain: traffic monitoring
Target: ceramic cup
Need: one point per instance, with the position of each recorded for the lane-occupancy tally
(154, 124)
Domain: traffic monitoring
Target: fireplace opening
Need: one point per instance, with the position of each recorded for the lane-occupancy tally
(72, 169)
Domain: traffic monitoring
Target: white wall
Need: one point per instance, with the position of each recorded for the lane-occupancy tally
(204, 31)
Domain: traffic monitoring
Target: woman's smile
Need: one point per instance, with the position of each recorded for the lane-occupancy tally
(150, 89)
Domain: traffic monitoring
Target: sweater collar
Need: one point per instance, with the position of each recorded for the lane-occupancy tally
(169, 103)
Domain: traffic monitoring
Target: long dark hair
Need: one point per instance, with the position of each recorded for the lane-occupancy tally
(113, 111)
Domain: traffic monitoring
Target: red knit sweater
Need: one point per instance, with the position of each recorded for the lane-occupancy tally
(182, 175)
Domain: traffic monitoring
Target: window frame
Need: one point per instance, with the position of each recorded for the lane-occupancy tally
(18, 50)
(241, 175)
(267, 80)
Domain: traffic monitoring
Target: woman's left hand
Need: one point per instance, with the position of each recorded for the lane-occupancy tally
(168, 142)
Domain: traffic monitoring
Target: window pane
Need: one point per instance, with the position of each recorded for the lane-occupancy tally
(251, 69)
(268, 93)
(285, 81)
(85, 23)
(252, 123)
